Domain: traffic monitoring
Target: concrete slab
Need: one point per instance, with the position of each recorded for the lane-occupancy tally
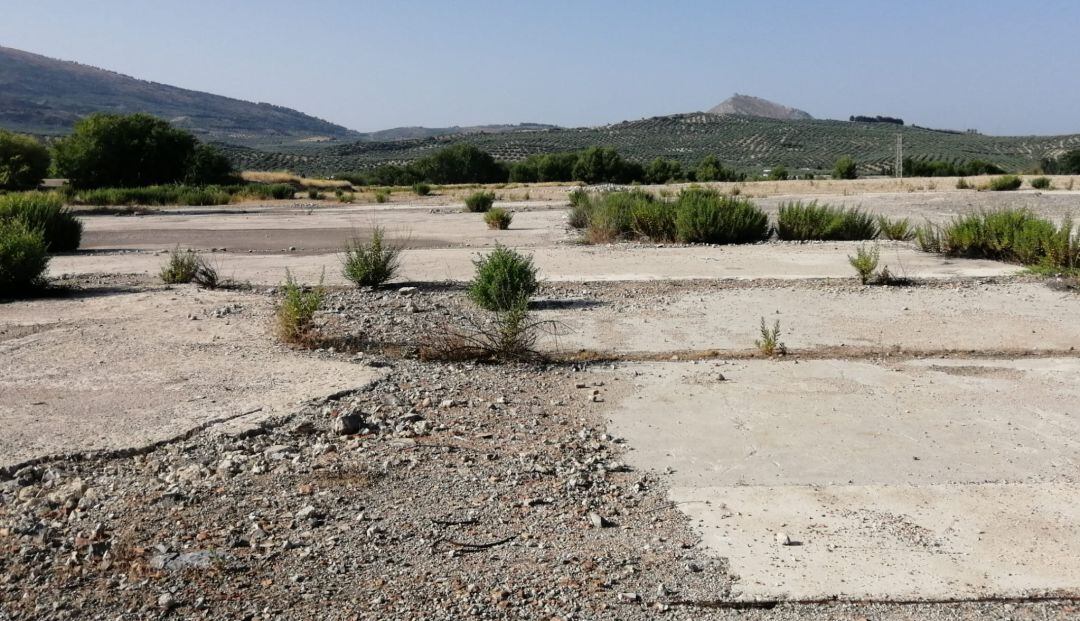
(893, 543)
(319, 229)
(569, 263)
(852, 457)
(1002, 317)
(123, 370)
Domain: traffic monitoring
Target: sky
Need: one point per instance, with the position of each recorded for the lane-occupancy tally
(1006, 68)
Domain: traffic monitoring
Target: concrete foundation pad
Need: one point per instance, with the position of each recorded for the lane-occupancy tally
(1001, 317)
(911, 480)
(903, 543)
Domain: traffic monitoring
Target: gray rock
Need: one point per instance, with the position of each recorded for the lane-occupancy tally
(279, 451)
(347, 424)
(171, 561)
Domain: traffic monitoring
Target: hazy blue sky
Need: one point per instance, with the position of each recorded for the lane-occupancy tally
(1002, 67)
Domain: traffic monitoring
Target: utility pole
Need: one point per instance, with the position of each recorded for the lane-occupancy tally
(899, 166)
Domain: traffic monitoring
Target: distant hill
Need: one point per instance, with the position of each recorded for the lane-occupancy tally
(744, 142)
(41, 95)
(414, 133)
(745, 105)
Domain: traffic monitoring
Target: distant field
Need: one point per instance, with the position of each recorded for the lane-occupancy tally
(749, 144)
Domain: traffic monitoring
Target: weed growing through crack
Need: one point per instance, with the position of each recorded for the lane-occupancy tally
(498, 219)
(479, 202)
(371, 263)
(896, 230)
(504, 278)
(507, 335)
(186, 266)
(865, 262)
(295, 315)
(181, 267)
(769, 343)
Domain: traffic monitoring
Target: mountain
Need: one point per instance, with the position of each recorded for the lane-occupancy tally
(42, 95)
(746, 105)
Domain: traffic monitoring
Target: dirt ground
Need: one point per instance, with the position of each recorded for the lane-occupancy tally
(912, 457)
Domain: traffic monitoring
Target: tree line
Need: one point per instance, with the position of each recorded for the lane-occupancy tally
(114, 150)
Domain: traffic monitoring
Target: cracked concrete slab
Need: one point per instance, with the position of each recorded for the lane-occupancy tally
(117, 370)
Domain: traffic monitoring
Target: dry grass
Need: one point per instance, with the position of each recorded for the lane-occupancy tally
(287, 177)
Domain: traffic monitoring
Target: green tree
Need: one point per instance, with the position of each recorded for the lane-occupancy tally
(461, 163)
(778, 173)
(599, 165)
(661, 171)
(710, 169)
(556, 166)
(845, 168)
(209, 166)
(118, 150)
(24, 162)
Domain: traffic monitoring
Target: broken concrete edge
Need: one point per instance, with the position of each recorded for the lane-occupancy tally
(257, 428)
(1051, 596)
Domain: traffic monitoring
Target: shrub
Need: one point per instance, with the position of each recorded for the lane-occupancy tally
(1041, 183)
(845, 168)
(181, 267)
(23, 257)
(610, 215)
(897, 230)
(580, 205)
(479, 202)
(124, 151)
(314, 194)
(769, 343)
(203, 197)
(382, 195)
(206, 275)
(281, 191)
(372, 263)
(345, 197)
(504, 278)
(962, 184)
(45, 212)
(1006, 183)
(654, 220)
(805, 221)
(295, 315)
(498, 218)
(1012, 235)
(704, 216)
(504, 335)
(865, 262)
(928, 237)
(24, 162)
(421, 189)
